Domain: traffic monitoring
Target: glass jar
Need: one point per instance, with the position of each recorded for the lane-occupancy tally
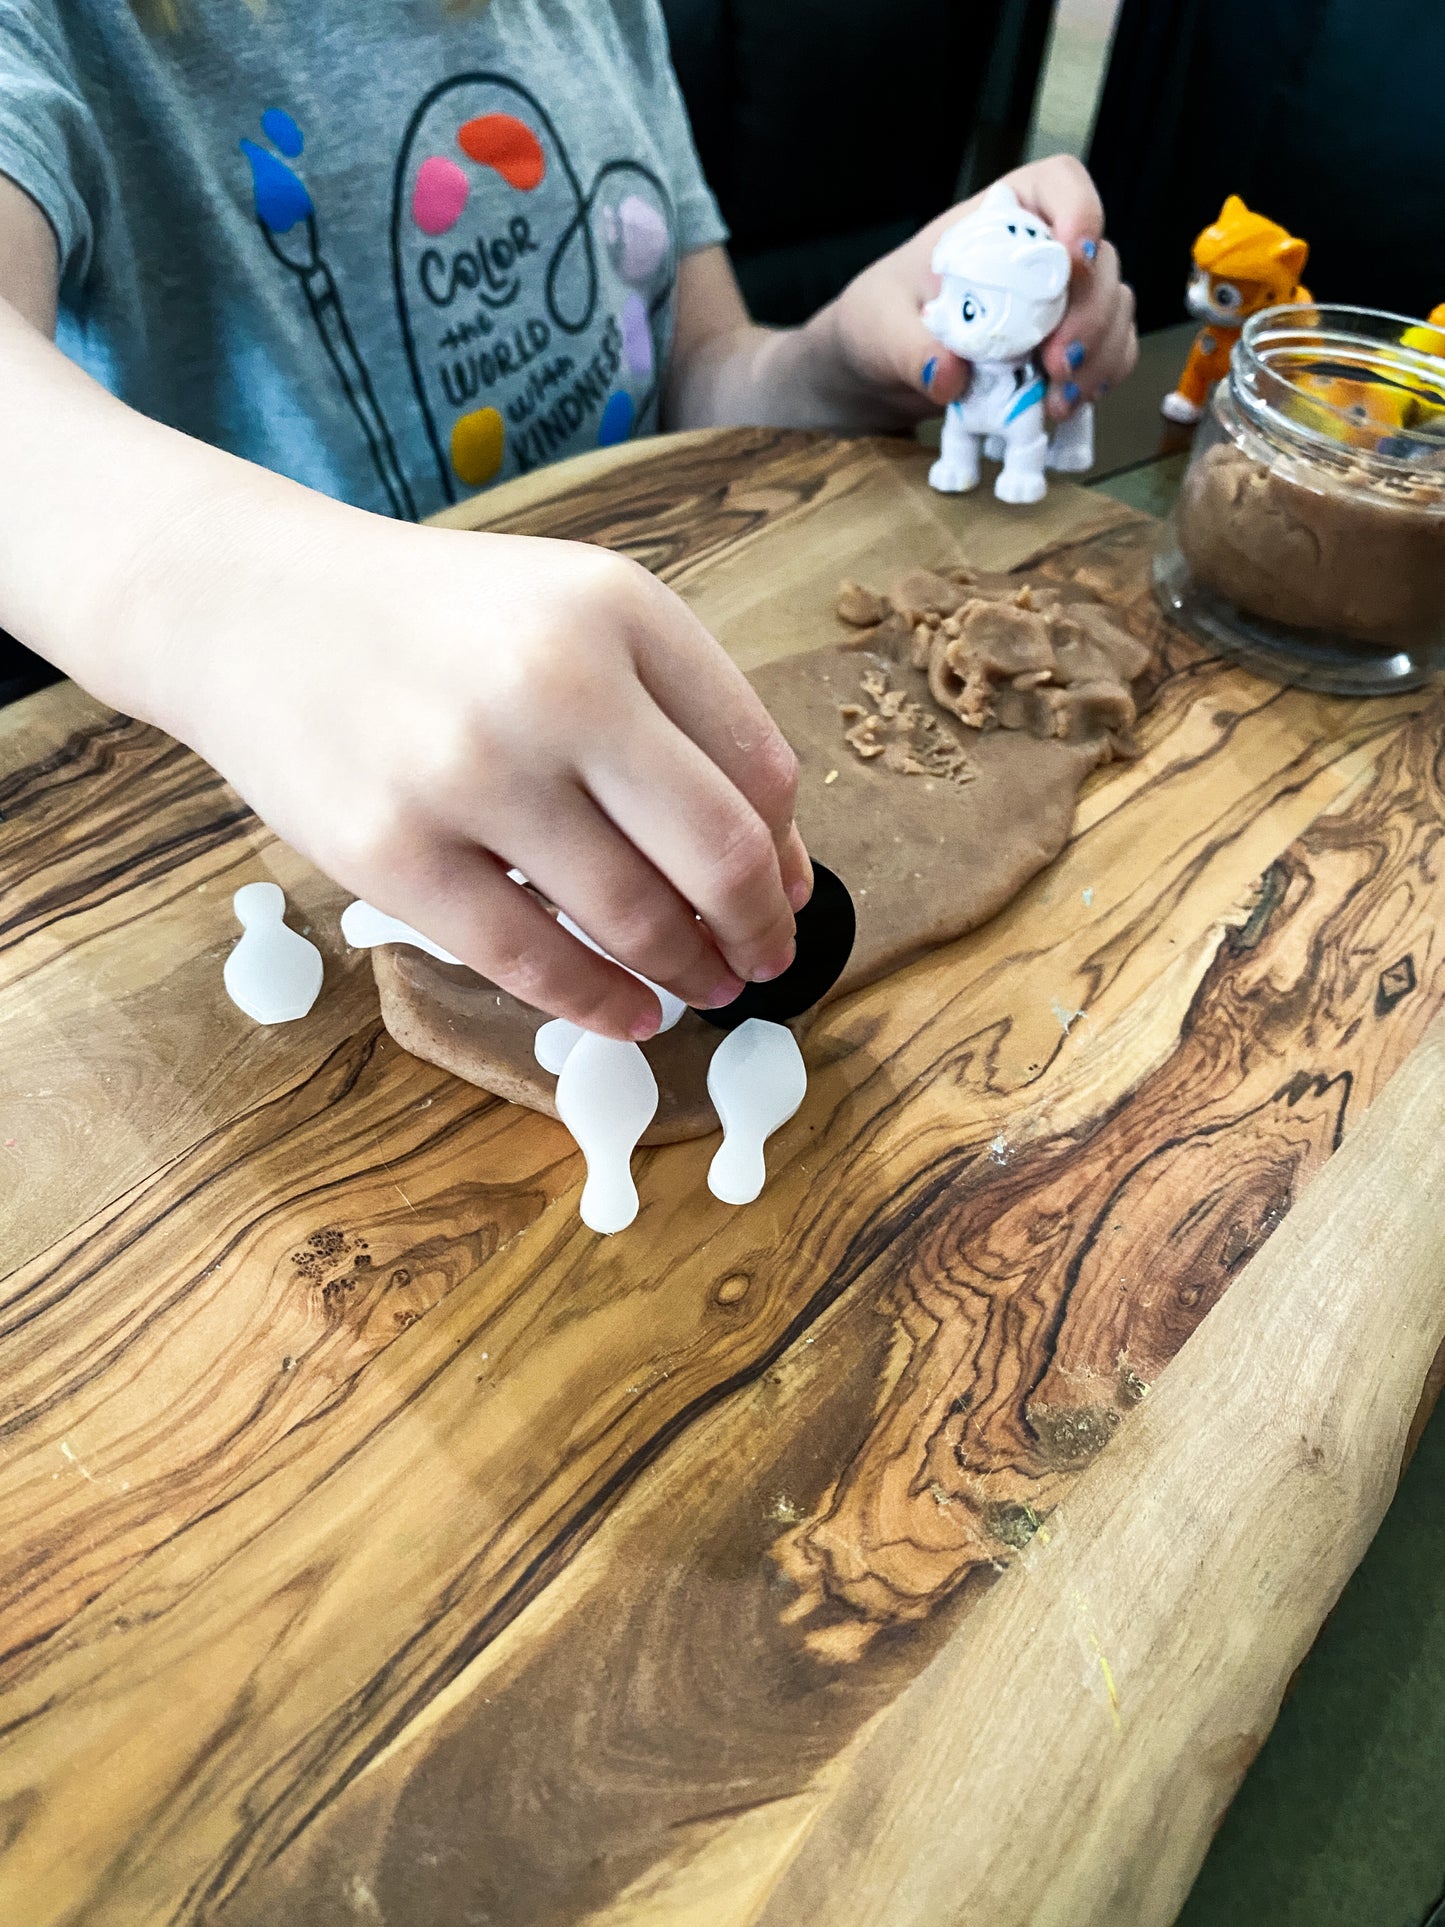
(1309, 535)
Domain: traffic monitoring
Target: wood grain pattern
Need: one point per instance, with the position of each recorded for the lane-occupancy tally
(382, 1546)
(1244, 1493)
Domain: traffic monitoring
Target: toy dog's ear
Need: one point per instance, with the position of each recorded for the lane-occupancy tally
(1292, 253)
(1000, 198)
(1039, 270)
(1050, 271)
(1233, 210)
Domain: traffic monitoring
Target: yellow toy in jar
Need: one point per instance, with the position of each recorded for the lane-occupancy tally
(1391, 395)
(1430, 338)
(1243, 262)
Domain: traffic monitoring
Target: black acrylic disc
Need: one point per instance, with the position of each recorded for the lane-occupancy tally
(827, 924)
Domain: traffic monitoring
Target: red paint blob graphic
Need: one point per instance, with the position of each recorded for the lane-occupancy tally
(507, 144)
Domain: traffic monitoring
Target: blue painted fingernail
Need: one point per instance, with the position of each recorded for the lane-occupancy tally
(1089, 249)
(1074, 354)
(1071, 392)
(930, 369)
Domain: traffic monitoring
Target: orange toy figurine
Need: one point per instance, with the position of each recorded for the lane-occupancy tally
(1241, 264)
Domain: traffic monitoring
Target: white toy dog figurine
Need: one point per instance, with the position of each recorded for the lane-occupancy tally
(1005, 289)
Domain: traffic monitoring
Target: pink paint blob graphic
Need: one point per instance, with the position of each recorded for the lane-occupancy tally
(636, 336)
(439, 196)
(503, 142)
(636, 236)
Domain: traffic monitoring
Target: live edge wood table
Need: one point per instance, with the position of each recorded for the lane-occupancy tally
(930, 1542)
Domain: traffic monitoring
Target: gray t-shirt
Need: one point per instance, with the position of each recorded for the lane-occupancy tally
(393, 250)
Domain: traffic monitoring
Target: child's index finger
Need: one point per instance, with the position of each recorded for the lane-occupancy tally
(1062, 191)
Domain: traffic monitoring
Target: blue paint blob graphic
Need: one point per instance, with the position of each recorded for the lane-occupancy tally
(279, 128)
(281, 200)
(616, 423)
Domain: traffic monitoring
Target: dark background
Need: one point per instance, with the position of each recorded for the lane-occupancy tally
(830, 129)
(1326, 115)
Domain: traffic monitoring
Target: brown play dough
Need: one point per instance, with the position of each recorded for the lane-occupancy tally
(997, 652)
(1327, 547)
(452, 1017)
(933, 831)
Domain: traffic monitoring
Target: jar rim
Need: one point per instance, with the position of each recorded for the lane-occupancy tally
(1288, 358)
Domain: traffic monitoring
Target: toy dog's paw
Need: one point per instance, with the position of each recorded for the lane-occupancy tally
(1073, 461)
(1071, 446)
(1022, 485)
(952, 478)
(1179, 408)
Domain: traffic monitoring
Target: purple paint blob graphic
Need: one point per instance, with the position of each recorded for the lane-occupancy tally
(439, 196)
(636, 236)
(636, 336)
(616, 423)
(282, 132)
(281, 200)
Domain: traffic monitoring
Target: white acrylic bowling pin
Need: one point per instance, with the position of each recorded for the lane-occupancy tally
(555, 1039)
(273, 974)
(672, 1007)
(363, 925)
(607, 1097)
(757, 1081)
(553, 1042)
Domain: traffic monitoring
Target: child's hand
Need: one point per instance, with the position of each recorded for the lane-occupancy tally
(883, 342)
(418, 709)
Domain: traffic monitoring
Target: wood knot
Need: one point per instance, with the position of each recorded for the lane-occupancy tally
(1071, 1437)
(1012, 1525)
(733, 1289)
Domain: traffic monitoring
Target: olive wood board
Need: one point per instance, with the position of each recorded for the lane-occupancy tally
(928, 1542)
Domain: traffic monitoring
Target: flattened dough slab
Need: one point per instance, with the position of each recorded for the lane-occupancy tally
(926, 859)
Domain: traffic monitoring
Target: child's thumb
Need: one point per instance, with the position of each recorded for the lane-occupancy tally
(935, 370)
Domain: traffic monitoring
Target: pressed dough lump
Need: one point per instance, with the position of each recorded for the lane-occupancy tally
(997, 652)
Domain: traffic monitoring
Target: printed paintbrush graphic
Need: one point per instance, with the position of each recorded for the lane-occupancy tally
(287, 218)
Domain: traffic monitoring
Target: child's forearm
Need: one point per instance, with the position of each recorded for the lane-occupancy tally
(726, 370)
(115, 531)
(778, 377)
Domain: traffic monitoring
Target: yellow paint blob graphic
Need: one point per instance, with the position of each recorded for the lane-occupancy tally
(477, 443)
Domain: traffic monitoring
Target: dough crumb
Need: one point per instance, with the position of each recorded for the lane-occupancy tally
(860, 607)
(910, 740)
(921, 593)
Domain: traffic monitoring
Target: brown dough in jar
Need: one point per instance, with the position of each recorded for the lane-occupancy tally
(1352, 556)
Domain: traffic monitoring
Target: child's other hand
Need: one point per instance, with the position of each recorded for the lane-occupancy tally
(418, 709)
(880, 328)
